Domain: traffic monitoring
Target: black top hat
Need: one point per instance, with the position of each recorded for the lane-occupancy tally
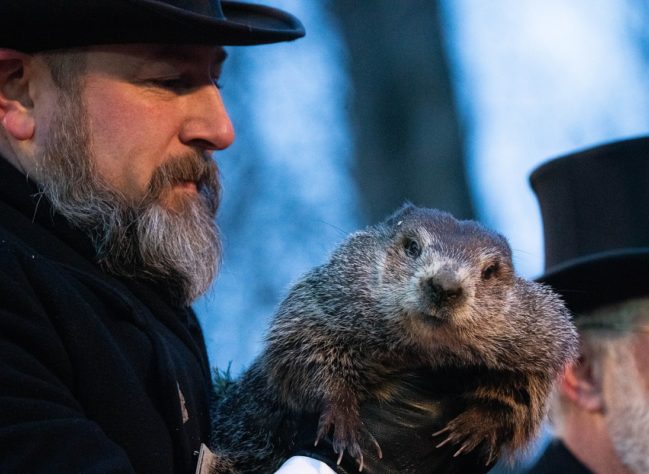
(595, 209)
(37, 25)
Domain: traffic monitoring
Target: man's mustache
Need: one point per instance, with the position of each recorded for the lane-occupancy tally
(192, 167)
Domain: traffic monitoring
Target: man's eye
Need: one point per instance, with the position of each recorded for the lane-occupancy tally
(175, 84)
(179, 84)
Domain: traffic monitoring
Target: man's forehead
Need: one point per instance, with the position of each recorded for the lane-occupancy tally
(621, 316)
(186, 53)
(139, 55)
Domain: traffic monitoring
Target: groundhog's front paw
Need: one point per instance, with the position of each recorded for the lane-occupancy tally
(472, 428)
(347, 431)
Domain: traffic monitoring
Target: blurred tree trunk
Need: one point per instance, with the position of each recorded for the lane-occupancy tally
(407, 139)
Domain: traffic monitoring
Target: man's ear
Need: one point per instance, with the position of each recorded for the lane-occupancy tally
(16, 107)
(582, 385)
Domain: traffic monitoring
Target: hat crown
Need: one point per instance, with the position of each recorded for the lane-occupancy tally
(594, 201)
(595, 209)
(40, 25)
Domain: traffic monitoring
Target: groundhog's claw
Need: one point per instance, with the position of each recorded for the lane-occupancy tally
(346, 434)
(379, 453)
(462, 431)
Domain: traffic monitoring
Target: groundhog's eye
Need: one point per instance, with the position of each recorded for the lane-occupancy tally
(490, 271)
(412, 248)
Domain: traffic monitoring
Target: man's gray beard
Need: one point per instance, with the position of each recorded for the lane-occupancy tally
(627, 405)
(135, 239)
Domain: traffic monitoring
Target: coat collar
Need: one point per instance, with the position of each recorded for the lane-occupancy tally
(27, 213)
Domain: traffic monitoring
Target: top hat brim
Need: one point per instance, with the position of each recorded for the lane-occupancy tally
(598, 280)
(65, 24)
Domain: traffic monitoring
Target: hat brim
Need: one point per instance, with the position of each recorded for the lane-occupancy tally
(600, 279)
(244, 23)
(64, 24)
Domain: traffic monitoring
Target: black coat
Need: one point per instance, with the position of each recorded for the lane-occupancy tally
(97, 374)
(556, 459)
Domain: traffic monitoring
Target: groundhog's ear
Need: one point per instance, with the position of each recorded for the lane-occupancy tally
(403, 212)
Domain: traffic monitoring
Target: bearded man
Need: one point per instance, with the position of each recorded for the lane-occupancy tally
(594, 205)
(109, 114)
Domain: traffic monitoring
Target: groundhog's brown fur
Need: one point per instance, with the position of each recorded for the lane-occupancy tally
(420, 291)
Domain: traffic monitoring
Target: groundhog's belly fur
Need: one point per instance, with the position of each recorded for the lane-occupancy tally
(418, 323)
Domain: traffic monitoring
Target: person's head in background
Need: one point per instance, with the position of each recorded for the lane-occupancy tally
(607, 395)
(595, 208)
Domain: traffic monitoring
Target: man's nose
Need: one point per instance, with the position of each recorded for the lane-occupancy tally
(208, 124)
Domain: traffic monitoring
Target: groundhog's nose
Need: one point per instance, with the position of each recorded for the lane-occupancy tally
(442, 291)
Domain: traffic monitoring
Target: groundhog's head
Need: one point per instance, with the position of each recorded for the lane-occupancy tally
(437, 269)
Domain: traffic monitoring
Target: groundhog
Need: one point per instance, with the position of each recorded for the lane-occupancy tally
(420, 318)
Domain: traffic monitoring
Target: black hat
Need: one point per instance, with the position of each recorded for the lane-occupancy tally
(37, 25)
(595, 209)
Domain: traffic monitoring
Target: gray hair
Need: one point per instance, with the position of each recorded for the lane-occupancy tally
(66, 67)
(603, 333)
